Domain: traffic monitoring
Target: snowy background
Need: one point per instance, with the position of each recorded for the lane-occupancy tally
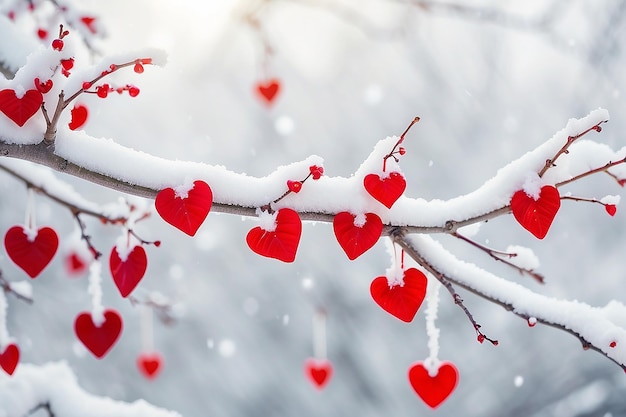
(488, 88)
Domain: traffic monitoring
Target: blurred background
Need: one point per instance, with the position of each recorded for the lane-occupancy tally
(490, 80)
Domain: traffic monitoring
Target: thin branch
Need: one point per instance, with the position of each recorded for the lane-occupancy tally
(399, 237)
(604, 168)
(6, 287)
(501, 257)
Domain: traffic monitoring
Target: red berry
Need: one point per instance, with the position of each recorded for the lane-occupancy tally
(401, 151)
(119, 90)
(316, 171)
(157, 243)
(621, 182)
(57, 44)
(481, 338)
(294, 186)
(68, 64)
(113, 67)
(43, 88)
(86, 85)
(89, 22)
(138, 68)
(103, 90)
(146, 61)
(611, 209)
(613, 344)
(42, 33)
(133, 91)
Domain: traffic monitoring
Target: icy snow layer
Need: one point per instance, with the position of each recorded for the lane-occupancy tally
(55, 384)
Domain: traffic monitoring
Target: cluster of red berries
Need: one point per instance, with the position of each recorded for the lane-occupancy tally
(103, 90)
(315, 172)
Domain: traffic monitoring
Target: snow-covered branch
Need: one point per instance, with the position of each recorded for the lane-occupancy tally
(54, 386)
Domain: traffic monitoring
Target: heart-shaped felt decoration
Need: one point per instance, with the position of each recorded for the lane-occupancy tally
(268, 90)
(188, 213)
(31, 255)
(280, 243)
(79, 116)
(536, 216)
(149, 364)
(127, 273)
(98, 340)
(433, 390)
(20, 109)
(75, 264)
(318, 371)
(386, 190)
(402, 301)
(354, 239)
(9, 358)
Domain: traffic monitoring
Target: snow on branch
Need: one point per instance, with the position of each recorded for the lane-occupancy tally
(600, 329)
(54, 386)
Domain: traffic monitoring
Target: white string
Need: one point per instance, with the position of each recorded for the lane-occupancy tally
(319, 334)
(5, 339)
(145, 328)
(95, 289)
(432, 363)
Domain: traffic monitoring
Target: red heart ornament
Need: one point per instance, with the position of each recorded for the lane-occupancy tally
(20, 109)
(79, 116)
(268, 90)
(385, 190)
(98, 339)
(401, 301)
(127, 273)
(536, 216)
(280, 243)
(318, 371)
(433, 390)
(32, 254)
(186, 214)
(150, 364)
(75, 264)
(354, 239)
(9, 358)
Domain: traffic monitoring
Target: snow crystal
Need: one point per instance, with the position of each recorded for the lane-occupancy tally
(518, 381)
(227, 348)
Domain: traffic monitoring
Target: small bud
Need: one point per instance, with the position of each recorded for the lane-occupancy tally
(597, 128)
(401, 151)
(42, 34)
(57, 44)
(138, 68)
(481, 338)
(613, 344)
(294, 186)
(157, 243)
(133, 91)
(611, 209)
(103, 90)
(86, 85)
(113, 67)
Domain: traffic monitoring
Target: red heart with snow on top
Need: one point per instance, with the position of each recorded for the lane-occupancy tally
(401, 301)
(79, 116)
(536, 216)
(280, 243)
(20, 109)
(433, 390)
(127, 273)
(354, 239)
(150, 364)
(31, 255)
(386, 190)
(9, 358)
(98, 339)
(268, 90)
(318, 371)
(186, 214)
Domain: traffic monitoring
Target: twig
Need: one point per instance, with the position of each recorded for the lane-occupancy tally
(500, 256)
(6, 286)
(565, 149)
(604, 168)
(162, 310)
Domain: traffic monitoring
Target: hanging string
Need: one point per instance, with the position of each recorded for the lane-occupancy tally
(30, 221)
(146, 328)
(319, 334)
(5, 339)
(95, 290)
(432, 363)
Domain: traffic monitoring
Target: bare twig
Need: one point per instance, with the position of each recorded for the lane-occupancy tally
(6, 287)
